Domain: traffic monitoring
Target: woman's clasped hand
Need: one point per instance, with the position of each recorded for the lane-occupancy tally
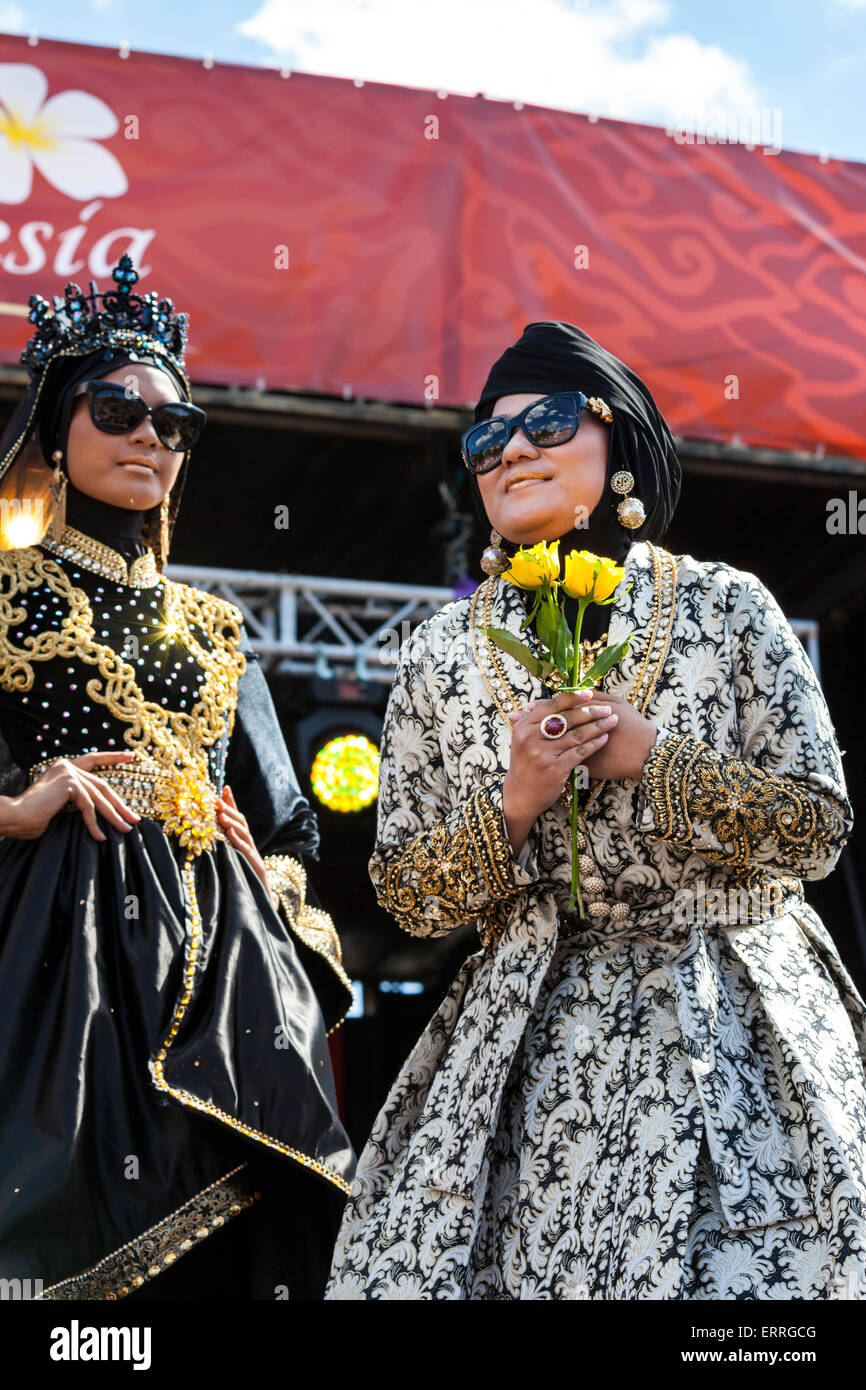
(603, 732)
(68, 782)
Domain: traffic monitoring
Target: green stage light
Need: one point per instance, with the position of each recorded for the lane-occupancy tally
(345, 773)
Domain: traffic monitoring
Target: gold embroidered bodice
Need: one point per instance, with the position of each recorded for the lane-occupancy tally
(95, 656)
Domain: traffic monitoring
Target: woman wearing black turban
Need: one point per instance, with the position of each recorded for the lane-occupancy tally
(168, 1122)
(663, 1098)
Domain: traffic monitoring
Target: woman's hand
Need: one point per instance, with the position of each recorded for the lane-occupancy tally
(540, 767)
(629, 744)
(238, 833)
(68, 780)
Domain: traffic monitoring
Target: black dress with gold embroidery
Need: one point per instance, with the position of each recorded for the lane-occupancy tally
(163, 1061)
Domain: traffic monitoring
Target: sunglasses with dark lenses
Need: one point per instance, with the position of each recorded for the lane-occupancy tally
(116, 410)
(552, 420)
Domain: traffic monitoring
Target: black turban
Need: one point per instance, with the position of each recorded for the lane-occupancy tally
(555, 356)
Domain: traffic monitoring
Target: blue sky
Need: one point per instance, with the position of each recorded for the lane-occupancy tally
(665, 61)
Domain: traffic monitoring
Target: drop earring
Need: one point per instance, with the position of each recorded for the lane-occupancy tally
(630, 511)
(157, 536)
(163, 533)
(57, 488)
(494, 559)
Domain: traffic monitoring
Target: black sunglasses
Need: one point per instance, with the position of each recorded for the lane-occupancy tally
(116, 410)
(552, 420)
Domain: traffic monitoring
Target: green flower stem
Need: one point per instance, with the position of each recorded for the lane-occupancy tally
(576, 895)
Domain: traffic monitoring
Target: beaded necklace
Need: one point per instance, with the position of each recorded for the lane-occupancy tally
(95, 555)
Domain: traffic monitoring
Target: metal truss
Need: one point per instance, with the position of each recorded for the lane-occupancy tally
(308, 625)
(312, 625)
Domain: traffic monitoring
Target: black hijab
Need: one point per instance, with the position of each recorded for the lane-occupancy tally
(553, 356)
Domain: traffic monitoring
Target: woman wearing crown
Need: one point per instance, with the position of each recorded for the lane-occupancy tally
(663, 1098)
(168, 1123)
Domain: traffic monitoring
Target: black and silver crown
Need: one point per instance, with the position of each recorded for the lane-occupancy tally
(126, 321)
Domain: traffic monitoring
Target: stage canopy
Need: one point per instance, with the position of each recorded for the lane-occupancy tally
(370, 241)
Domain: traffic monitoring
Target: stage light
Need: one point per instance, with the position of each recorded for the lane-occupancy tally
(345, 772)
(337, 747)
(357, 1006)
(21, 530)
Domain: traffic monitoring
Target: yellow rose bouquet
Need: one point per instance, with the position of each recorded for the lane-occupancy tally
(590, 579)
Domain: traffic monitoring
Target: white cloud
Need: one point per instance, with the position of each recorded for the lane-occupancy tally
(13, 20)
(614, 59)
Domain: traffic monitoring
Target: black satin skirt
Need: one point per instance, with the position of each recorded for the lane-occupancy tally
(154, 1108)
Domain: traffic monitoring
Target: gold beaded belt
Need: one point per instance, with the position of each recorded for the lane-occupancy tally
(183, 801)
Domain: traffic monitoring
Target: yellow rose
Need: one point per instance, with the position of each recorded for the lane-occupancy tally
(609, 577)
(579, 573)
(529, 568)
(580, 569)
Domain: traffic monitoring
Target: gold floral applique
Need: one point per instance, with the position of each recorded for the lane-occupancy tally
(449, 873)
(185, 805)
(744, 806)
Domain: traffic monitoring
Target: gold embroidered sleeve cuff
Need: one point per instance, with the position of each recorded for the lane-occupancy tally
(455, 872)
(733, 813)
(312, 926)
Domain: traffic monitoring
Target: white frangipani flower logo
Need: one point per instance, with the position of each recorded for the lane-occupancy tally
(57, 136)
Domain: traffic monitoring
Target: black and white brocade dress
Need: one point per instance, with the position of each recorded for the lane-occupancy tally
(164, 1067)
(670, 1102)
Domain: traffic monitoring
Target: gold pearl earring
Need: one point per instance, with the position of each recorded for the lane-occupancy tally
(494, 559)
(630, 511)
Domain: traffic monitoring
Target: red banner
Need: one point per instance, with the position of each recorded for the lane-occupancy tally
(332, 237)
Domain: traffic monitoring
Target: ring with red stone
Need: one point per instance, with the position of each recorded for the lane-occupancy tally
(553, 726)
